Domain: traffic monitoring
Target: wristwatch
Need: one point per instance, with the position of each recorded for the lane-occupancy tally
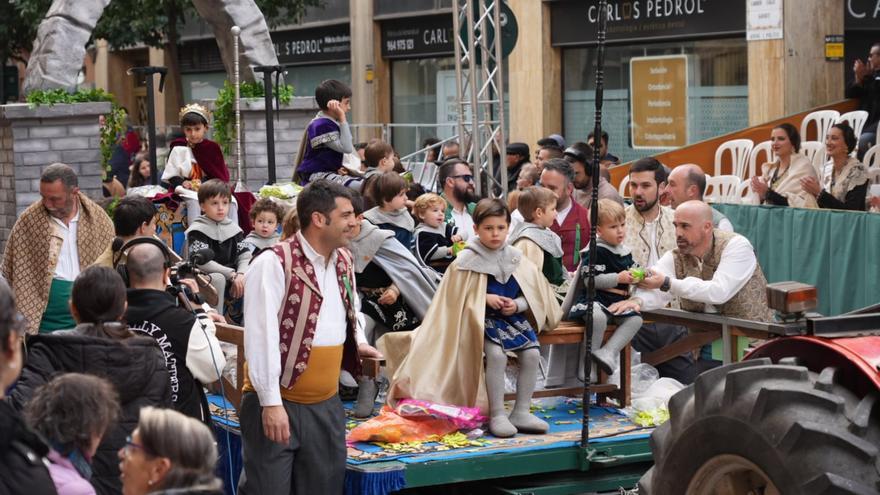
(665, 285)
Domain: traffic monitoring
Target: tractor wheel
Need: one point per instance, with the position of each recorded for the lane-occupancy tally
(758, 428)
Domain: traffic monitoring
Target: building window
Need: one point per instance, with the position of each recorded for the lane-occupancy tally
(717, 91)
(422, 92)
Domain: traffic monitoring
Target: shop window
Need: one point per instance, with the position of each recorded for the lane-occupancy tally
(717, 90)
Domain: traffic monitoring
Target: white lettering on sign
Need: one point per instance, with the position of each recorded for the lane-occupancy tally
(660, 87)
(862, 15)
(658, 70)
(435, 37)
(659, 103)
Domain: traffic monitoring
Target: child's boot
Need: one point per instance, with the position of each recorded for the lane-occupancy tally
(522, 417)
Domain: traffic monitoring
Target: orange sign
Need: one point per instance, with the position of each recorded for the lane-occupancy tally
(658, 105)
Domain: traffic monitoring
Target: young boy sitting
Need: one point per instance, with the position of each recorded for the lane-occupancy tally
(534, 237)
(390, 213)
(216, 231)
(194, 159)
(327, 139)
(435, 239)
(614, 277)
(266, 215)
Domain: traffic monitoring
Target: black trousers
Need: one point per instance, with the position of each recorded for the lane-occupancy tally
(312, 463)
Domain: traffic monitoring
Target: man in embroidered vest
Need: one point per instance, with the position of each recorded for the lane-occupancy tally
(688, 182)
(300, 330)
(711, 271)
(572, 223)
(50, 243)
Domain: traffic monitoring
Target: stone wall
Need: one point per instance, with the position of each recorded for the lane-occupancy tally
(31, 138)
(289, 128)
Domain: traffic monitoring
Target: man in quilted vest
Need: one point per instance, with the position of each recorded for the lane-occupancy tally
(300, 330)
(710, 271)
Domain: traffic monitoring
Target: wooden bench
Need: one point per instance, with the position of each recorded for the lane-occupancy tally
(568, 332)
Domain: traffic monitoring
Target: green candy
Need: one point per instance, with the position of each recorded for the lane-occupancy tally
(638, 274)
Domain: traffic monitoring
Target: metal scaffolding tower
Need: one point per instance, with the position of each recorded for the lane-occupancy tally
(480, 92)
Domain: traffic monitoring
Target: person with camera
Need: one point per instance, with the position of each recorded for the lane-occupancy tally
(187, 336)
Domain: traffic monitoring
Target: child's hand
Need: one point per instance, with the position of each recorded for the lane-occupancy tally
(509, 306)
(334, 109)
(389, 296)
(495, 302)
(187, 184)
(625, 277)
(456, 238)
(342, 171)
(237, 289)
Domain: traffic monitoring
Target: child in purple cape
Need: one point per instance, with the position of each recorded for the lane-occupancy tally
(327, 139)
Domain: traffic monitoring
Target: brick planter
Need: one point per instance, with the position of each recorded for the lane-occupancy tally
(289, 127)
(32, 138)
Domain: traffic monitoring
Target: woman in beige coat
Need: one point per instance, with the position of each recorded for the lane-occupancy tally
(780, 180)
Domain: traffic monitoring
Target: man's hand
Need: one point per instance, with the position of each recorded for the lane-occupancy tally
(861, 70)
(626, 306)
(652, 281)
(191, 283)
(367, 351)
(216, 317)
(276, 425)
(456, 238)
(389, 296)
(237, 289)
(811, 186)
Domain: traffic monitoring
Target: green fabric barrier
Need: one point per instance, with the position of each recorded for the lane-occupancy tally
(837, 251)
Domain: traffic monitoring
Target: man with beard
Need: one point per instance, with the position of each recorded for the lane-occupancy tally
(649, 229)
(50, 243)
(456, 179)
(687, 183)
(580, 155)
(650, 234)
(572, 220)
(301, 328)
(710, 270)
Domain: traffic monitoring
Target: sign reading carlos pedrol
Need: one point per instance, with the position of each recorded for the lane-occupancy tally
(659, 101)
(316, 45)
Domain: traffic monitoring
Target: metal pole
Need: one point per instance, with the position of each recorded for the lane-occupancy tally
(267, 71)
(148, 73)
(236, 32)
(475, 152)
(594, 219)
(496, 66)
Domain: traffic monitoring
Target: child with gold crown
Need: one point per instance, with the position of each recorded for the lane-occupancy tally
(194, 159)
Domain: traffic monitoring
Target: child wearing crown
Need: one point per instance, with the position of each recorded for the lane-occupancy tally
(194, 159)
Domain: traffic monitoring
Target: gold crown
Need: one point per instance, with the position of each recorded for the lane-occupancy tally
(196, 109)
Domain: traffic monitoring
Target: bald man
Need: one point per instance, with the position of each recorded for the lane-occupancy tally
(192, 352)
(687, 183)
(710, 270)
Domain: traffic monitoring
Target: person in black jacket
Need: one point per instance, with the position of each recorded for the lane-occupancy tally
(192, 353)
(22, 452)
(100, 345)
(866, 87)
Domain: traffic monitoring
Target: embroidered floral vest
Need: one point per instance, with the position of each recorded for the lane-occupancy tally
(299, 315)
(750, 303)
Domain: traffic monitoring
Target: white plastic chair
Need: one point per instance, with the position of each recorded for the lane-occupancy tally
(815, 151)
(722, 189)
(745, 195)
(856, 119)
(874, 175)
(872, 157)
(739, 152)
(823, 119)
(755, 158)
(623, 188)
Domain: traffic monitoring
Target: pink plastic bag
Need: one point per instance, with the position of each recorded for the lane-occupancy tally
(464, 418)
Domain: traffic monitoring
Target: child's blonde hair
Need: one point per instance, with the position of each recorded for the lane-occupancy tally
(610, 211)
(532, 198)
(426, 201)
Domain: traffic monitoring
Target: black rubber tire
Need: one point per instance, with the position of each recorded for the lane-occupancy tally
(805, 431)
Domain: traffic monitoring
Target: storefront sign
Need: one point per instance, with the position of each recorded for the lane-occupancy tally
(834, 47)
(658, 103)
(862, 14)
(428, 36)
(328, 44)
(631, 20)
(764, 20)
